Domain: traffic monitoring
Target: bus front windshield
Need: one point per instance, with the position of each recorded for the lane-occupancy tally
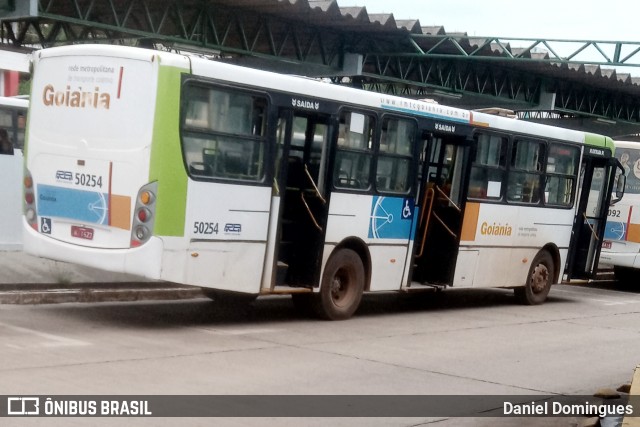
(630, 160)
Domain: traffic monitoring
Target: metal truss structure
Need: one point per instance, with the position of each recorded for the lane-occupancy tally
(318, 38)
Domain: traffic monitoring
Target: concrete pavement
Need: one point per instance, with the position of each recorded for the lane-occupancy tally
(25, 279)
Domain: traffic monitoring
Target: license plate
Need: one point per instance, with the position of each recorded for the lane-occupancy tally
(82, 232)
(606, 244)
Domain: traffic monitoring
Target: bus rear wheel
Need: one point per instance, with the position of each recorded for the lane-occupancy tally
(539, 280)
(342, 286)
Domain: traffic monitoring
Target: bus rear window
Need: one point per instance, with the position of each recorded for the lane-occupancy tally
(223, 133)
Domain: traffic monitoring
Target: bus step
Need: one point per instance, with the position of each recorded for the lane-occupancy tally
(287, 290)
(281, 273)
(417, 286)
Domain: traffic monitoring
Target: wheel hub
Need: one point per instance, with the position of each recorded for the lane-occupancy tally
(336, 287)
(539, 278)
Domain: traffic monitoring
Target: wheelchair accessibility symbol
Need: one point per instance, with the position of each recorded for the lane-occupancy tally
(45, 225)
(407, 211)
(391, 218)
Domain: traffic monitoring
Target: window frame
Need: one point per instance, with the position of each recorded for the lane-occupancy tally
(370, 153)
(543, 175)
(409, 157)
(574, 177)
(539, 171)
(262, 141)
(501, 168)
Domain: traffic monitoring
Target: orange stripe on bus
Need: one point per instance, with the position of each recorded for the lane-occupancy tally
(633, 233)
(120, 211)
(470, 222)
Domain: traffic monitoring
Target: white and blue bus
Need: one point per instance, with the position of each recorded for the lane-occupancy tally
(246, 182)
(621, 247)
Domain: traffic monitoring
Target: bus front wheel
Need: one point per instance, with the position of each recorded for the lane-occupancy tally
(342, 286)
(539, 280)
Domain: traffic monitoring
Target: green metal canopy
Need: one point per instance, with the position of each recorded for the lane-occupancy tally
(569, 82)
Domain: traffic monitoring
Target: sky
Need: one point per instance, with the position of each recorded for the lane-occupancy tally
(566, 19)
(610, 20)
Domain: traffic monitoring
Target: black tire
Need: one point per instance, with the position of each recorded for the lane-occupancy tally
(539, 280)
(303, 303)
(341, 287)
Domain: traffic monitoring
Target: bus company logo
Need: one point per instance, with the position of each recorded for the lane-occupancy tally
(64, 176)
(233, 228)
(75, 98)
(445, 128)
(301, 103)
(495, 229)
(23, 405)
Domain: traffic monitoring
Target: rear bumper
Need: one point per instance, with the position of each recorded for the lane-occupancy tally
(145, 261)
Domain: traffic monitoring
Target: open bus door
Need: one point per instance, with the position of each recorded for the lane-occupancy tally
(595, 185)
(300, 204)
(444, 165)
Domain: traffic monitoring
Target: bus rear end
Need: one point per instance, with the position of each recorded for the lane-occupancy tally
(88, 194)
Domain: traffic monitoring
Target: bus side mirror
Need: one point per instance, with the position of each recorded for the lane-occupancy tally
(621, 182)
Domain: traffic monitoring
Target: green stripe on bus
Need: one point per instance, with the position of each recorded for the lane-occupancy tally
(166, 156)
(599, 141)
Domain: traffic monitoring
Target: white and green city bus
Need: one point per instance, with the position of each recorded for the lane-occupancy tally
(246, 182)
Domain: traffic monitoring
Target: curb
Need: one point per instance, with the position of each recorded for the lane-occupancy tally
(95, 292)
(630, 421)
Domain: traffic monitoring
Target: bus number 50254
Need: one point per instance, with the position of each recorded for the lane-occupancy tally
(200, 227)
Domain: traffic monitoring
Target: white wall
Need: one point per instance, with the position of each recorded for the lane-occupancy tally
(14, 61)
(11, 201)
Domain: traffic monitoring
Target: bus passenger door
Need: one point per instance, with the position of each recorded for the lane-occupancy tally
(297, 225)
(444, 165)
(595, 185)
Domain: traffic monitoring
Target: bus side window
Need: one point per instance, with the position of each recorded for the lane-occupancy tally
(562, 167)
(21, 125)
(6, 146)
(487, 172)
(6, 123)
(394, 160)
(353, 158)
(224, 133)
(525, 171)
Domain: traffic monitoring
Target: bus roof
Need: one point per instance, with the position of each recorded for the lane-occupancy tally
(627, 144)
(310, 88)
(14, 101)
(599, 141)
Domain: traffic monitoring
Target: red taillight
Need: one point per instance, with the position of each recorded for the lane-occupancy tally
(29, 201)
(144, 213)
